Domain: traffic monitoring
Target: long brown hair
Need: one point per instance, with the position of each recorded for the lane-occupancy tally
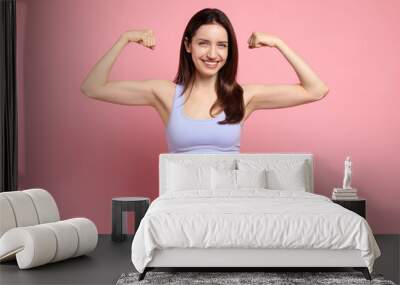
(229, 92)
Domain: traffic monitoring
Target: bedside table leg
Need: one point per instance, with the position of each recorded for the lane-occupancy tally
(117, 222)
(124, 222)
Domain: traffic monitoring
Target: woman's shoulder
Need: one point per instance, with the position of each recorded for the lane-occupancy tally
(164, 89)
(246, 93)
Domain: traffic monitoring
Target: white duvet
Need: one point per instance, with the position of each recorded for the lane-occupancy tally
(250, 218)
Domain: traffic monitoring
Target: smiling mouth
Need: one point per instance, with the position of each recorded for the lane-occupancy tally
(211, 64)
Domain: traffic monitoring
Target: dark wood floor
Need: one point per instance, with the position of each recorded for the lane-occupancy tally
(111, 259)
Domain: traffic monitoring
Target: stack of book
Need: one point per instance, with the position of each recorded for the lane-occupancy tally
(344, 194)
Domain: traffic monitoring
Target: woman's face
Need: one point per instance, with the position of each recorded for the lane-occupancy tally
(209, 48)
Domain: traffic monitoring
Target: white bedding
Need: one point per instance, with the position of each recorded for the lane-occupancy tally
(250, 218)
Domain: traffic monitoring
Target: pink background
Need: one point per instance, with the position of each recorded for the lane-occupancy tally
(86, 151)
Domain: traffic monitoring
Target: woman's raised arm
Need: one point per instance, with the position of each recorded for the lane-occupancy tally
(97, 86)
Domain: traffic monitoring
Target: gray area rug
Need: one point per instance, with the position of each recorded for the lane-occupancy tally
(270, 278)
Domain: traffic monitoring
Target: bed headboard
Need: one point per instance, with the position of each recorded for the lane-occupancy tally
(164, 158)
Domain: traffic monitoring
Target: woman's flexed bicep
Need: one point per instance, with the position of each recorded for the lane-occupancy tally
(96, 84)
(140, 93)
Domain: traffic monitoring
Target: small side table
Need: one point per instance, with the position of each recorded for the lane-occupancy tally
(358, 206)
(120, 206)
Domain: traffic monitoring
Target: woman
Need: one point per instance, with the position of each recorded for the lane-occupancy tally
(204, 108)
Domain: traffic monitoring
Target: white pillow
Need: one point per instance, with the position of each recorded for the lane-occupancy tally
(282, 174)
(223, 179)
(251, 178)
(289, 179)
(237, 179)
(190, 174)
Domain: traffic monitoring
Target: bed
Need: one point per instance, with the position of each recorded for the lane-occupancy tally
(247, 210)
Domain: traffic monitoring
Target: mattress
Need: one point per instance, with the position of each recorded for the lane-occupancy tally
(250, 218)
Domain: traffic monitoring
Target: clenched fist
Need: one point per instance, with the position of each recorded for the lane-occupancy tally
(144, 37)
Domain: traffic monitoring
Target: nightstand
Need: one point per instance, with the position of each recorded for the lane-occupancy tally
(358, 206)
(120, 206)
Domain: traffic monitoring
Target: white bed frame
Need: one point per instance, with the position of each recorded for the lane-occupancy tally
(236, 257)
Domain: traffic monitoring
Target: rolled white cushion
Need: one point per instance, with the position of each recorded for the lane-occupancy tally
(67, 239)
(23, 208)
(26, 208)
(40, 244)
(7, 218)
(33, 245)
(87, 234)
(46, 207)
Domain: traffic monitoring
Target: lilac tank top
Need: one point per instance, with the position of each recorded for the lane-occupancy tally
(188, 135)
